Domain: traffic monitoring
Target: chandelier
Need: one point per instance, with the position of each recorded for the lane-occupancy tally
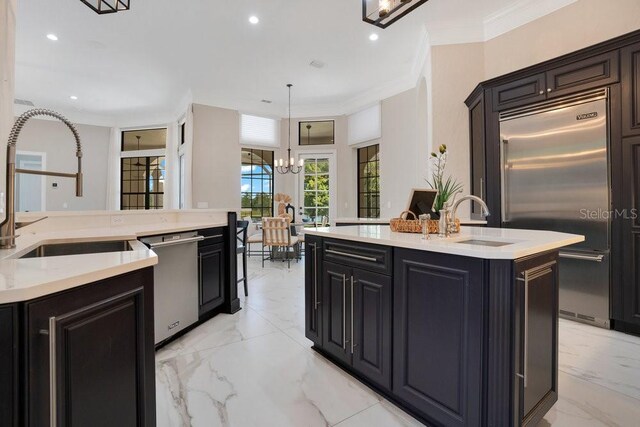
(107, 6)
(383, 13)
(289, 166)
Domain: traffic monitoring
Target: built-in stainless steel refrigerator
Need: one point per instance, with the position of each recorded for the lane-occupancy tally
(555, 176)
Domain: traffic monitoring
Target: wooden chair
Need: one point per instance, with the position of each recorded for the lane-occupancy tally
(276, 234)
(241, 248)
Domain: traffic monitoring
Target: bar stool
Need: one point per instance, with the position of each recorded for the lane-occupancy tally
(241, 248)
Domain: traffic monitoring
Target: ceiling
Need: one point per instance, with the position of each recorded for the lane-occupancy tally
(146, 64)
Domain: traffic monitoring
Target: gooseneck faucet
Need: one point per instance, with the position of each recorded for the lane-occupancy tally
(452, 220)
(8, 226)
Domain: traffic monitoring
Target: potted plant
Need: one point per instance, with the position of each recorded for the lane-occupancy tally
(448, 187)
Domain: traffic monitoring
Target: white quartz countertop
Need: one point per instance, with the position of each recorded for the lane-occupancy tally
(29, 278)
(520, 243)
(463, 221)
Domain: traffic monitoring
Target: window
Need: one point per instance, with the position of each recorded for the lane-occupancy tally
(182, 132)
(316, 133)
(257, 183)
(316, 189)
(256, 130)
(142, 183)
(143, 169)
(181, 184)
(369, 182)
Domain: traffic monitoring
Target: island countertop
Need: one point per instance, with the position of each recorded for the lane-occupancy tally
(29, 278)
(517, 243)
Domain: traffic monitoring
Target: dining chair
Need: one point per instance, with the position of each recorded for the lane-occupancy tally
(276, 234)
(241, 248)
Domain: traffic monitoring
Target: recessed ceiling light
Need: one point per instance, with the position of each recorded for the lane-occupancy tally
(373, 37)
(254, 19)
(73, 98)
(52, 37)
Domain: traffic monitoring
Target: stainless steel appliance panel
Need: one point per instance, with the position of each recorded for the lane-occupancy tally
(584, 286)
(175, 282)
(555, 171)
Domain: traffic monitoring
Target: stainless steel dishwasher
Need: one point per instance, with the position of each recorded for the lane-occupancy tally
(175, 282)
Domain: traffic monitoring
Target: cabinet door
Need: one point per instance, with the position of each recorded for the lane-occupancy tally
(631, 90)
(630, 250)
(597, 71)
(520, 92)
(477, 138)
(336, 310)
(313, 290)
(371, 326)
(536, 338)
(211, 272)
(9, 366)
(437, 335)
(95, 345)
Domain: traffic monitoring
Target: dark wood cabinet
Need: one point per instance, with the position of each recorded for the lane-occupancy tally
(9, 389)
(90, 354)
(211, 266)
(523, 91)
(371, 326)
(437, 357)
(313, 289)
(630, 61)
(630, 283)
(477, 139)
(336, 280)
(596, 71)
(536, 341)
(355, 309)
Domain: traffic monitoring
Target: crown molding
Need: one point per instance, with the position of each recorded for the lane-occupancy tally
(518, 14)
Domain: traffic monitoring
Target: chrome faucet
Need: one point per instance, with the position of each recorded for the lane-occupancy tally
(451, 221)
(8, 226)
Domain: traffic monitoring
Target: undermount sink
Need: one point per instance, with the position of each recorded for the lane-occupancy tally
(78, 248)
(478, 242)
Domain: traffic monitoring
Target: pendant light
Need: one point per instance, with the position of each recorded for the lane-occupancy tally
(102, 7)
(289, 165)
(138, 164)
(383, 13)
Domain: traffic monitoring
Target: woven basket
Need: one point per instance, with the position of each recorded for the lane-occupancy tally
(405, 225)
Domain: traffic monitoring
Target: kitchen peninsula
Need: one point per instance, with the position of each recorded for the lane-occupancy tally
(459, 331)
(77, 300)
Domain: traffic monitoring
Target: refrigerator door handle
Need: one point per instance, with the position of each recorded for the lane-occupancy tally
(583, 257)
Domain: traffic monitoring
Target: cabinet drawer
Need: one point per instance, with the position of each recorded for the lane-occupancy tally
(590, 73)
(519, 92)
(375, 258)
(211, 236)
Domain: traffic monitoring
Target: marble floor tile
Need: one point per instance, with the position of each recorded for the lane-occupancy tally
(268, 380)
(221, 330)
(584, 404)
(608, 358)
(383, 414)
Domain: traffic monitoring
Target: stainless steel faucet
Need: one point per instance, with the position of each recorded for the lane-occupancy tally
(451, 221)
(8, 226)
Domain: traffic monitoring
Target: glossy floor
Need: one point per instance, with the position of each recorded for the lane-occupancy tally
(256, 368)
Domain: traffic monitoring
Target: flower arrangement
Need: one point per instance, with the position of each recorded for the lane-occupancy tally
(446, 187)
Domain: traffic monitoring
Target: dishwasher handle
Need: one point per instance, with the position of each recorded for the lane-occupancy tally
(176, 242)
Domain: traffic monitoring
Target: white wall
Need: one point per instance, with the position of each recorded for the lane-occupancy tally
(216, 157)
(56, 140)
(7, 79)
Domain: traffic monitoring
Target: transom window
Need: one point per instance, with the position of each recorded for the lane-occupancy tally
(369, 182)
(257, 183)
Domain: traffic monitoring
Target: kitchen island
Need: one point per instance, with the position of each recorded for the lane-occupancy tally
(77, 299)
(459, 331)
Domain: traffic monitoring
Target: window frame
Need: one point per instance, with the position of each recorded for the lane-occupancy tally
(370, 211)
(300, 144)
(263, 208)
(147, 184)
